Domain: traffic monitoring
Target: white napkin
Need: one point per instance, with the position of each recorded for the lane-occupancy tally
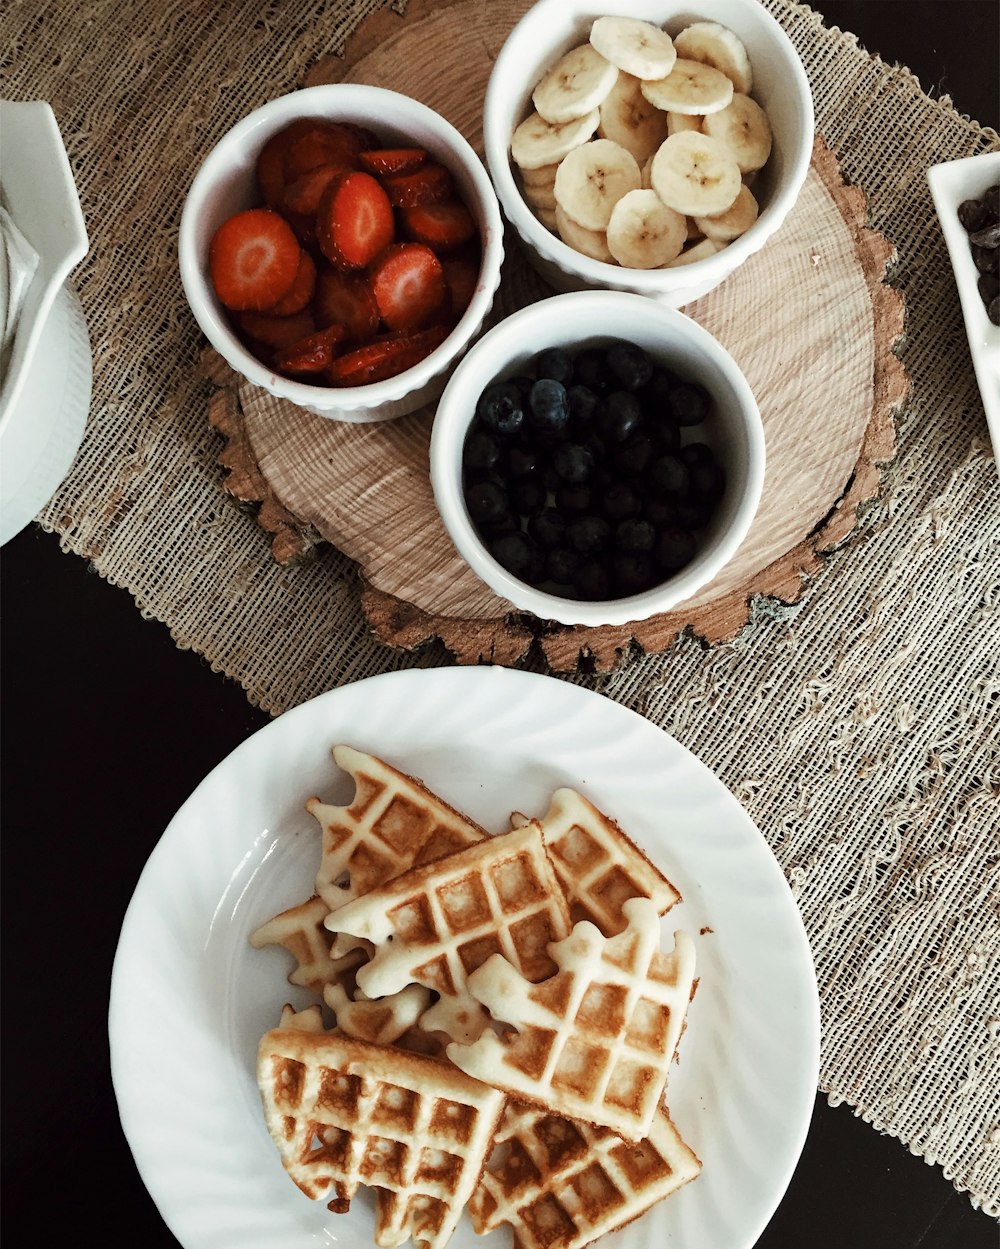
(18, 262)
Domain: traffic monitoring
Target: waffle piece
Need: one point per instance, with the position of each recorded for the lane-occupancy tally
(382, 1021)
(436, 924)
(595, 1040)
(561, 1182)
(344, 1113)
(301, 931)
(598, 865)
(393, 822)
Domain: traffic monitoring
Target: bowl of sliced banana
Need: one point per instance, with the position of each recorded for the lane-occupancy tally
(651, 148)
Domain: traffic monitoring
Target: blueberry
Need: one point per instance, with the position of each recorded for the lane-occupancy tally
(693, 453)
(655, 394)
(522, 461)
(590, 369)
(583, 404)
(588, 534)
(548, 407)
(635, 536)
(593, 581)
(516, 552)
(675, 547)
(562, 564)
(694, 513)
(573, 499)
(547, 527)
(574, 463)
(665, 432)
(688, 403)
(527, 494)
(482, 449)
(633, 571)
(629, 365)
(634, 456)
(707, 481)
(501, 408)
(619, 416)
(556, 363)
(620, 500)
(659, 512)
(668, 474)
(487, 503)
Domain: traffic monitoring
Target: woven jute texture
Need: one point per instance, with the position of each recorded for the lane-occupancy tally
(860, 728)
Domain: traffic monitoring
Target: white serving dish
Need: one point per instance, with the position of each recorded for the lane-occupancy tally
(951, 183)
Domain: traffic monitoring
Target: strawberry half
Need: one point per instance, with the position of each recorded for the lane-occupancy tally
(388, 161)
(346, 299)
(300, 292)
(409, 286)
(354, 221)
(321, 143)
(253, 260)
(443, 226)
(268, 330)
(462, 275)
(312, 354)
(303, 194)
(428, 185)
(384, 357)
(271, 161)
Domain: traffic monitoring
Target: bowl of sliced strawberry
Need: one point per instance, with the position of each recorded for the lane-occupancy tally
(340, 247)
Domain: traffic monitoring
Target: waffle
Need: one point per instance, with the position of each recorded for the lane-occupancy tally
(344, 1113)
(595, 1040)
(437, 923)
(392, 823)
(598, 865)
(300, 930)
(382, 1021)
(557, 1181)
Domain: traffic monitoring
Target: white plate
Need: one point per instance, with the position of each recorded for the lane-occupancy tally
(190, 998)
(950, 184)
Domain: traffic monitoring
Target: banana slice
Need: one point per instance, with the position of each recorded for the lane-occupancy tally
(628, 118)
(694, 174)
(639, 48)
(644, 173)
(643, 232)
(574, 86)
(593, 178)
(700, 251)
(545, 176)
(718, 46)
(539, 196)
(683, 121)
(547, 216)
(690, 87)
(592, 243)
(537, 142)
(736, 220)
(744, 128)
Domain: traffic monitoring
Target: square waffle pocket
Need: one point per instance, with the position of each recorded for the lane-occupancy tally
(595, 1040)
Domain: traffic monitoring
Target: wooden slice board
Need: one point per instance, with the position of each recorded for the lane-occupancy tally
(809, 319)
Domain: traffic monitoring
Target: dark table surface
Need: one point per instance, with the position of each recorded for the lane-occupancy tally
(106, 729)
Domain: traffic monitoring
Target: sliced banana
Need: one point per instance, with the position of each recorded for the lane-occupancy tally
(628, 118)
(694, 174)
(718, 46)
(744, 128)
(690, 87)
(635, 46)
(547, 216)
(544, 176)
(574, 86)
(643, 232)
(593, 178)
(700, 251)
(537, 142)
(736, 220)
(683, 121)
(539, 196)
(592, 243)
(644, 173)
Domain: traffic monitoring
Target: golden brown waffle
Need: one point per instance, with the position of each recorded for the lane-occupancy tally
(301, 931)
(392, 823)
(595, 1040)
(598, 865)
(380, 1022)
(344, 1113)
(435, 924)
(558, 1181)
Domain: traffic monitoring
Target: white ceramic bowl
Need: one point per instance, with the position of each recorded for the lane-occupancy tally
(548, 30)
(225, 184)
(593, 318)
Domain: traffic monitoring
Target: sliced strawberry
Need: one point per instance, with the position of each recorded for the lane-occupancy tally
(409, 286)
(346, 299)
(253, 260)
(303, 194)
(321, 143)
(312, 354)
(301, 291)
(386, 356)
(304, 225)
(268, 330)
(389, 161)
(354, 221)
(443, 226)
(271, 161)
(430, 184)
(462, 275)
(366, 138)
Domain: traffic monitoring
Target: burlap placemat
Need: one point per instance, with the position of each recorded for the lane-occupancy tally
(859, 728)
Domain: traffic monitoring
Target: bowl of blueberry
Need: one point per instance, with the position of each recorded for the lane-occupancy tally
(597, 458)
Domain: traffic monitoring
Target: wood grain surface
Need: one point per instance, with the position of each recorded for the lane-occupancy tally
(809, 319)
